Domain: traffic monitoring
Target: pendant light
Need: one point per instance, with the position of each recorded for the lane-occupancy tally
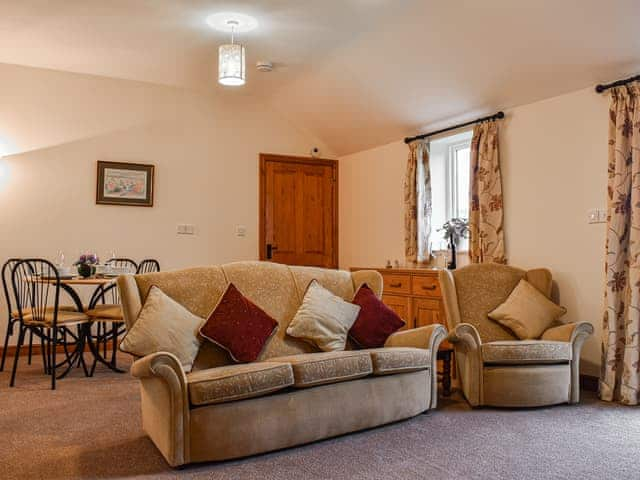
(231, 60)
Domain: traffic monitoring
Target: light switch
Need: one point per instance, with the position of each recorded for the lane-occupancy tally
(185, 229)
(241, 231)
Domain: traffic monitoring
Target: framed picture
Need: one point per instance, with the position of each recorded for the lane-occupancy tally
(125, 184)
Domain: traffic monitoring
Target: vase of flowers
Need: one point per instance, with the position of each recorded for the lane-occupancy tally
(86, 264)
(454, 230)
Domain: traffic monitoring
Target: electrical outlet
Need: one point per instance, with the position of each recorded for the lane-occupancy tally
(597, 215)
(241, 231)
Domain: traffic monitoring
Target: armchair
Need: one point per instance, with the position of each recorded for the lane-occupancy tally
(495, 367)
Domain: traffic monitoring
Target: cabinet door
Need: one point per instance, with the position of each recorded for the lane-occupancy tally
(427, 311)
(402, 306)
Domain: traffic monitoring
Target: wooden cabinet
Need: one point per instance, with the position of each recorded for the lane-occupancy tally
(414, 294)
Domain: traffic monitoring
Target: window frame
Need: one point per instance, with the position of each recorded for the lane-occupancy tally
(451, 178)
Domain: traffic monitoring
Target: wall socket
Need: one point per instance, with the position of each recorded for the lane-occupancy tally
(185, 229)
(597, 215)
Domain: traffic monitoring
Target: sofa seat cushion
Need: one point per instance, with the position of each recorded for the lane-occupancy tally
(387, 361)
(311, 369)
(237, 382)
(523, 352)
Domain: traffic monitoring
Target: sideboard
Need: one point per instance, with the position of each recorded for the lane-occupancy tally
(414, 294)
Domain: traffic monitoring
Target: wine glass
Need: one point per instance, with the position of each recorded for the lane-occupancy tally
(60, 258)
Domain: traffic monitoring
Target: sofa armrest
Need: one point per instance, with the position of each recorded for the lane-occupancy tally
(468, 348)
(165, 404)
(576, 334)
(465, 335)
(429, 337)
(568, 332)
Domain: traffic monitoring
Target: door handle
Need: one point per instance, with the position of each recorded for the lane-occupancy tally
(270, 249)
(395, 285)
(430, 287)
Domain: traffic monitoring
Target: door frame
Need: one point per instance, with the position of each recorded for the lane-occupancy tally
(264, 158)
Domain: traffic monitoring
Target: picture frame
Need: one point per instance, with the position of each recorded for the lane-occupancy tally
(121, 183)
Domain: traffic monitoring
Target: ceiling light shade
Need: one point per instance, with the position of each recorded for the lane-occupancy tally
(231, 64)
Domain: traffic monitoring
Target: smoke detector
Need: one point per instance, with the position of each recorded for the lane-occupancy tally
(264, 66)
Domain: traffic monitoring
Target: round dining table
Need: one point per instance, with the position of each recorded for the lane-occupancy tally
(100, 283)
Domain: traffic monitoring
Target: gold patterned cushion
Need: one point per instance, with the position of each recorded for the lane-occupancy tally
(238, 382)
(311, 369)
(523, 352)
(323, 319)
(164, 325)
(391, 360)
(527, 312)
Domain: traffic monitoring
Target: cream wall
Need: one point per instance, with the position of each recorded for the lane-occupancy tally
(205, 150)
(554, 164)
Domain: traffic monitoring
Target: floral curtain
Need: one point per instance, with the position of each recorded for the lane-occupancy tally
(620, 375)
(486, 243)
(417, 204)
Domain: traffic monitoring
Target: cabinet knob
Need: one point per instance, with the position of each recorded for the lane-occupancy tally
(429, 287)
(395, 285)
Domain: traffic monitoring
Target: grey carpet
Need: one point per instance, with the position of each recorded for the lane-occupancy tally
(90, 428)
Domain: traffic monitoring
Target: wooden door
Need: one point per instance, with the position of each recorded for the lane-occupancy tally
(299, 210)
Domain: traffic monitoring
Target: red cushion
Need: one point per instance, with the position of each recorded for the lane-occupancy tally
(375, 321)
(238, 326)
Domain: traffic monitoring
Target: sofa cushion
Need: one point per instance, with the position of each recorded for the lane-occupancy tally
(323, 319)
(237, 382)
(386, 361)
(239, 326)
(375, 322)
(164, 326)
(311, 369)
(522, 352)
(527, 312)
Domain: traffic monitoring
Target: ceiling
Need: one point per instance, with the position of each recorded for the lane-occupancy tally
(355, 73)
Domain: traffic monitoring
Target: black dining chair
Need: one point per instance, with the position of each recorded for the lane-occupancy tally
(12, 315)
(36, 287)
(148, 265)
(105, 312)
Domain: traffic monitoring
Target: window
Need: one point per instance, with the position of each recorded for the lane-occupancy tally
(449, 160)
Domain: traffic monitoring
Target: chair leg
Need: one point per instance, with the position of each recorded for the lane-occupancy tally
(114, 345)
(30, 347)
(6, 345)
(15, 359)
(53, 358)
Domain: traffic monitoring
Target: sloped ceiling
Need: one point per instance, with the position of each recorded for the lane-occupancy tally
(356, 73)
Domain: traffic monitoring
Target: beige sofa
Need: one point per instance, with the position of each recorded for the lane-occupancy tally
(293, 394)
(495, 367)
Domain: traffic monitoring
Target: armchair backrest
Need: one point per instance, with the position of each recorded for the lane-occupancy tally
(472, 292)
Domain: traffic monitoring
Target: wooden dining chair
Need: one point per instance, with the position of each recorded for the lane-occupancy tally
(148, 265)
(36, 287)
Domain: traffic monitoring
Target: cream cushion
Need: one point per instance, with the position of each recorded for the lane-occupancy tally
(237, 382)
(527, 312)
(323, 319)
(164, 326)
(311, 369)
(390, 360)
(526, 352)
